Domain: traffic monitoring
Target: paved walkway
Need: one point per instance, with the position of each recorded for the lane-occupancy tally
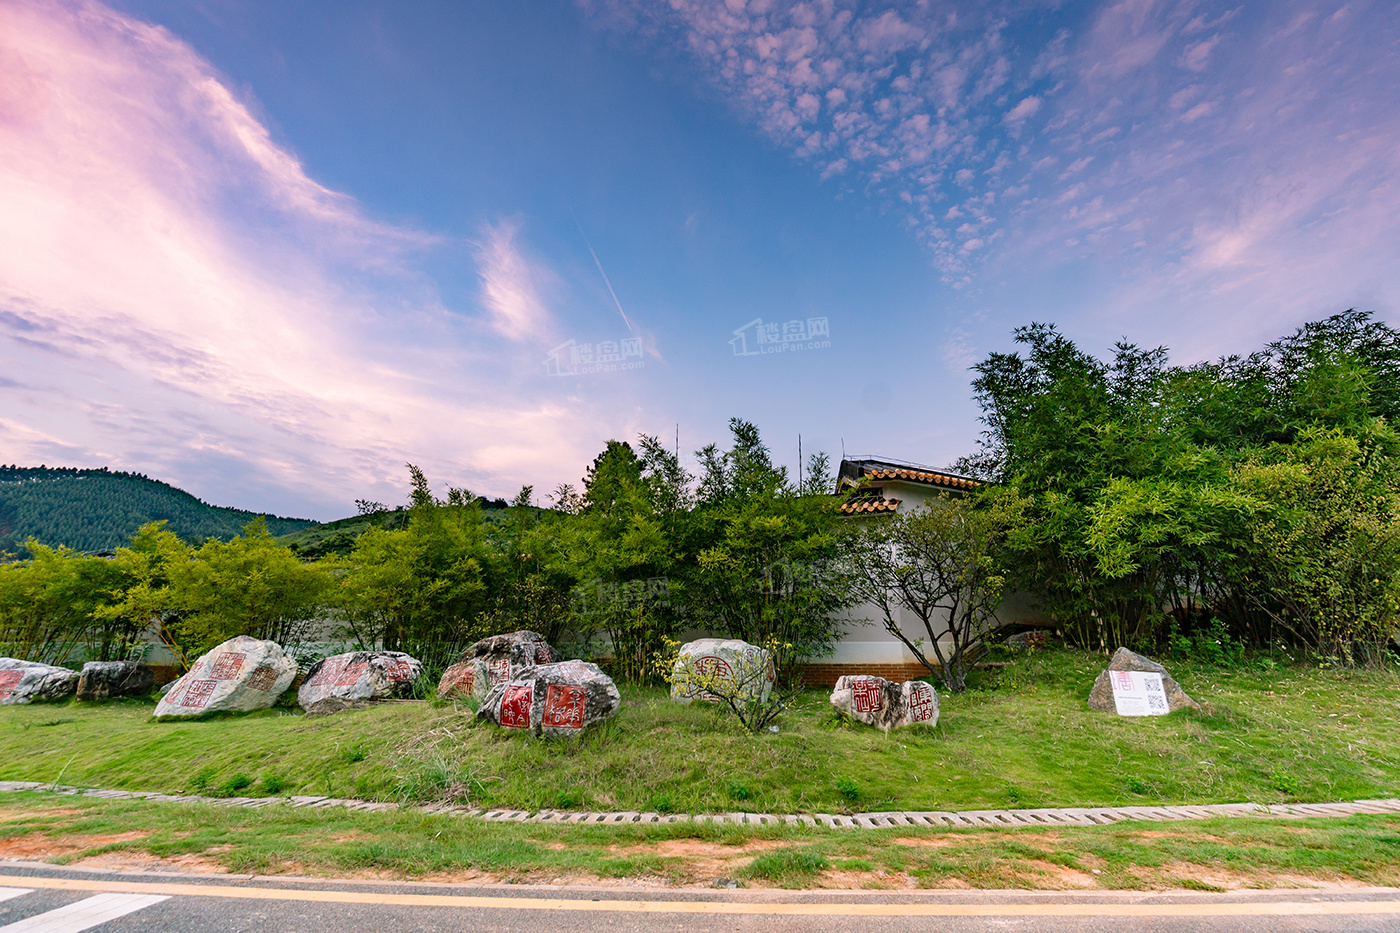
(1055, 816)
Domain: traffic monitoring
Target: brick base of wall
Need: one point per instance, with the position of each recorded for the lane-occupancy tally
(825, 675)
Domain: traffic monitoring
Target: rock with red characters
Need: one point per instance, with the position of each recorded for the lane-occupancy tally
(356, 679)
(884, 704)
(27, 681)
(552, 699)
(718, 669)
(241, 675)
(493, 661)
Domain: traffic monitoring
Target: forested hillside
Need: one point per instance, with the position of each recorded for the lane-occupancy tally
(94, 509)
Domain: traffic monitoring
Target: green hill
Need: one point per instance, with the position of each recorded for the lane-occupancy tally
(92, 510)
(338, 537)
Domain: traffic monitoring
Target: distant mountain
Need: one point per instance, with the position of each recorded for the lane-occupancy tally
(92, 510)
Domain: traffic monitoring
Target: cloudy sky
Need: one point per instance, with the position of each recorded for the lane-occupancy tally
(270, 251)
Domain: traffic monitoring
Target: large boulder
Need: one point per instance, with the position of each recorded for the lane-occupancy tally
(552, 699)
(1117, 690)
(711, 668)
(27, 681)
(884, 704)
(241, 675)
(105, 680)
(357, 678)
(493, 661)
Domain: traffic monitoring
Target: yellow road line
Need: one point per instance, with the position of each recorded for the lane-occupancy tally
(1203, 909)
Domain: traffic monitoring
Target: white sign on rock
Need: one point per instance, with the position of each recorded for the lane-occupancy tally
(1138, 693)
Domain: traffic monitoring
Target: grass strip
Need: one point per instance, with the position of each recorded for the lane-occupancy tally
(1207, 855)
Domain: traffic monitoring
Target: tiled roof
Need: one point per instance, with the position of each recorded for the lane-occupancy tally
(854, 506)
(922, 476)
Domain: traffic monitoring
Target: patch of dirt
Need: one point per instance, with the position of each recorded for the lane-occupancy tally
(145, 861)
(43, 847)
(698, 848)
(1228, 880)
(1047, 876)
(22, 812)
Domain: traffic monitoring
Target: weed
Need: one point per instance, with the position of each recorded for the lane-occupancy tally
(663, 803)
(232, 787)
(354, 753)
(202, 779)
(274, 784)
(790, 867)
(848, 789)
(737, 790)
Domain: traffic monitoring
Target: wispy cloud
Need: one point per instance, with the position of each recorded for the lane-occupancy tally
(179, 295)
(511, 283)
(1225, 141)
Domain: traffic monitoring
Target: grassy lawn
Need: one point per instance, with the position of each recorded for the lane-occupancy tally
(1209, 855)
(1022, 737)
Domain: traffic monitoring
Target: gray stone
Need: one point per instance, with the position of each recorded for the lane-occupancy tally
(885, 704)
(552, 699)
(357, 678)
(27, 681)
(1101, 696)
(493, 661)
(710, 667)
(240, 675)
(105, 680)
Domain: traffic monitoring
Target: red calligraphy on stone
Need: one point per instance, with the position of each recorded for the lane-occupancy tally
(327, 673)
(8, 681)
(515, 706)
(227, 665)
(920, 702)
(263, 678)
(711, 666)
(197, 694)
(1122, 681)
(868, 695)
(351, 675)
(564, 706)
(398, 669)
(498, 670)
(542, 653)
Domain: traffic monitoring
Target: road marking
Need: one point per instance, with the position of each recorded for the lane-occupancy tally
(1206, 909)
(84, 914)
(7, 893)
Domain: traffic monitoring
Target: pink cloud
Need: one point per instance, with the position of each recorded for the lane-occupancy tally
(175, 297)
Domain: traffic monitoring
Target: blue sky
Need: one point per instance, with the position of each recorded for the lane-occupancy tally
(271, 251)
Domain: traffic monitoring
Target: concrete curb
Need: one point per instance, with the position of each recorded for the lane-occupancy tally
(966, 819)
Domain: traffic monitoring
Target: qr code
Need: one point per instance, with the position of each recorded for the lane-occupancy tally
(1156, 702)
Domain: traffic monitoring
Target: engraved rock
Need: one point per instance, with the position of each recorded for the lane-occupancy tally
(354, 679)
(105, 680)
(241, 675)
(884, 704)
(552, 699)
(1101, 696)
(493, 661)
(27, 681)
(710, 668)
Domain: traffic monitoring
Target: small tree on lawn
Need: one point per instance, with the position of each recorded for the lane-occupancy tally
(738, 688)
(940, 563)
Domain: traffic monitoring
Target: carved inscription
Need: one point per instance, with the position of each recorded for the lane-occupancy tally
(263, 678)
(868, 695)
(227, 665)
(564, 706)
(197, 694)
(920, 703)
(8, 681)
(399, 670)
(498, 670)
(515, 706)
(352, 674)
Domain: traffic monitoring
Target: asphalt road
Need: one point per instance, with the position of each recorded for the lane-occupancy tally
(44, 899)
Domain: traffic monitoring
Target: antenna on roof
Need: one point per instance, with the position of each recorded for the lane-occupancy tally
(843, 448)
(799, 460)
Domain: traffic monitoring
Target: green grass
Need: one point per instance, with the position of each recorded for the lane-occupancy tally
(1206, 855)
(1023, 737)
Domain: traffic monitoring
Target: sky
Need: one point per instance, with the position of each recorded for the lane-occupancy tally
(272, 251)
